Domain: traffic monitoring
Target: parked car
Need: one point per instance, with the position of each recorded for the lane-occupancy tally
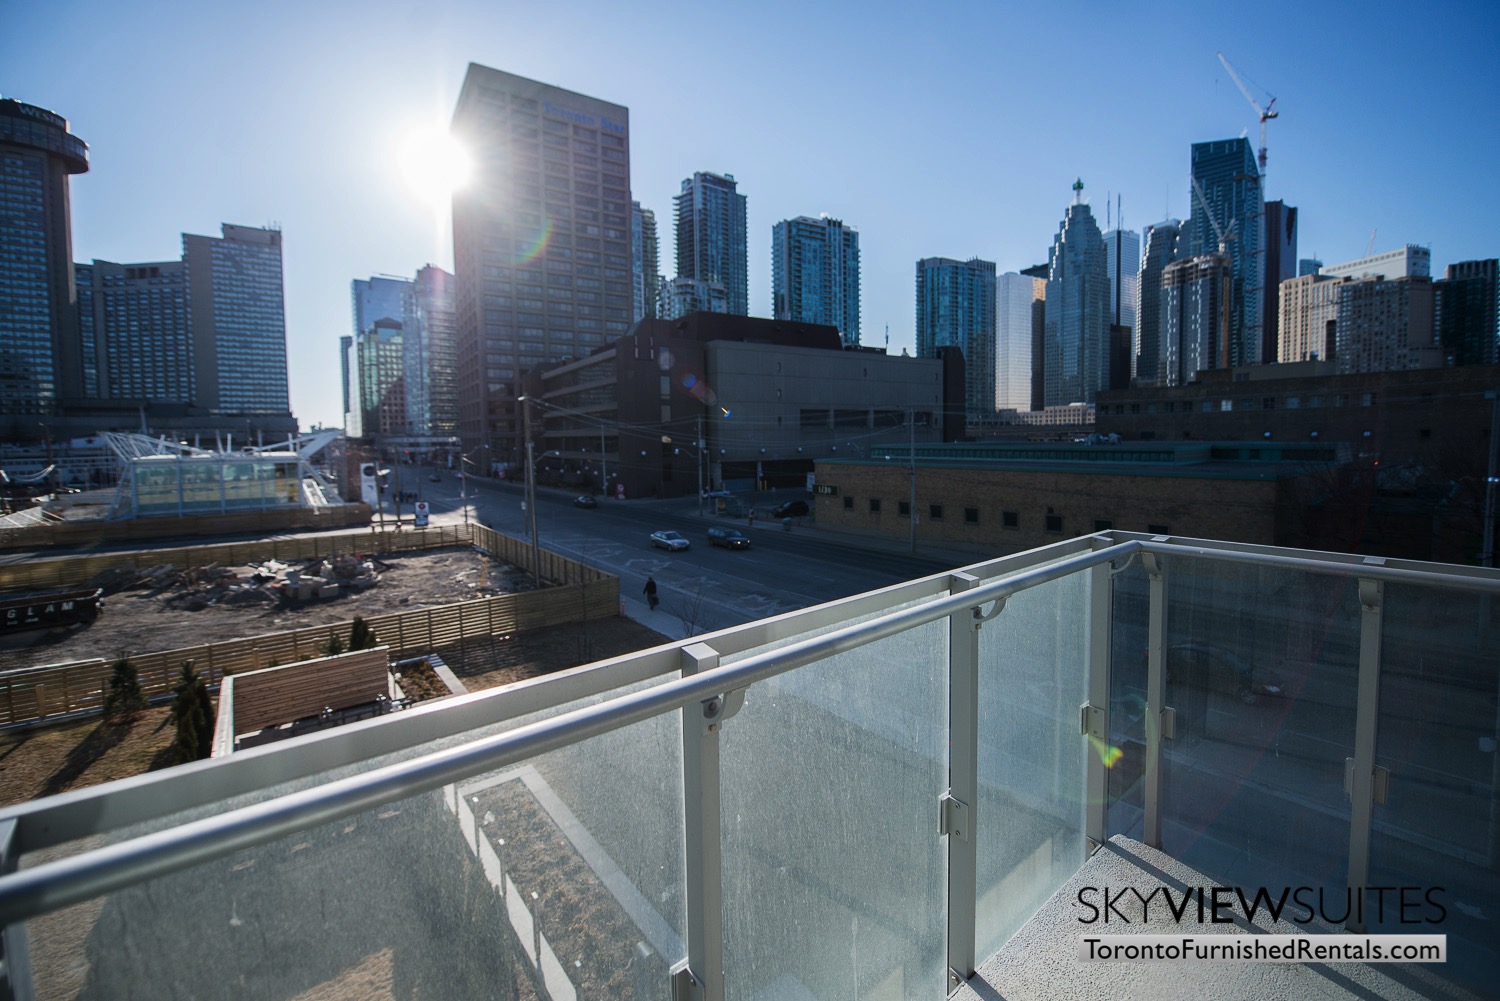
(729, 538)
(669, 540)
(791, 509)
(585, 500)
(1217, 669)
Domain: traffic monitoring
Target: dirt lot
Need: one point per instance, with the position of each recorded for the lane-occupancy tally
(48, 760)
(160, 615)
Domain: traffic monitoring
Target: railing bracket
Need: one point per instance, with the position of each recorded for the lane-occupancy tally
(1091, 721)
(685, 986)
(954, 818)
(995, 609)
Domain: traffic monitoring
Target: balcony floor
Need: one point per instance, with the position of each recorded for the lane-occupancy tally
(1043, 955)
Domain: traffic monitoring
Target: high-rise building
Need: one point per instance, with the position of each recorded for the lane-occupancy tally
(645, 262)
(1308, 319)
(1308, 266)
(431, 359)
(1281, 262)
(1122, 263)
(41, 359)
(381, 355)
(1410, 261)
(815, 274)
(1038, 338)
(237, 309)
(1385, 325)
(710, 222)
(1468, 312)
(1195, 304)
(383, 297)
(83, 279)
(1225, 172)
(956, 308)
(1077, 310)
(1161, 250)
(144, 348)
(682, 296)
(541, 242)
(1017, 297)
(348, 375)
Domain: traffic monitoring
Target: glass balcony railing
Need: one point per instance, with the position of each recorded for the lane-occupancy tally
(855, 800)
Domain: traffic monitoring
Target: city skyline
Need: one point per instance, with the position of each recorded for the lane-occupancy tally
(313, 146)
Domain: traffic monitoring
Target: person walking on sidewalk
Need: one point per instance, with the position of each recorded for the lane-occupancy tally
(650, 591)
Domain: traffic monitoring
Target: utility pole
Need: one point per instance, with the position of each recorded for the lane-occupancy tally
(911, 473)
(463, 485)
(603, 464)
(699, 464)
(536, 553)
(1487, 558)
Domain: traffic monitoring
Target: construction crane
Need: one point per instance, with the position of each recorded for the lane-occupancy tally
(1266, 114)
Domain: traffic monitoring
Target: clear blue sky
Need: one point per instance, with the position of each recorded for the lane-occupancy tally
(938, 129)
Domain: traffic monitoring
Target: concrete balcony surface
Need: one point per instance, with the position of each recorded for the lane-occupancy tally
(1041, 960)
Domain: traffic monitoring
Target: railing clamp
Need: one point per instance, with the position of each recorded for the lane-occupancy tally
(953, 819)
(1152, 563)
(685, 985)
(1380, 782)
(721, 707)
(1369, 594)
(995, 609)
(1091, 721)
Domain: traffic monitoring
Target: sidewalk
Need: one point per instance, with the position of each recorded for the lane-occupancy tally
(661, 620)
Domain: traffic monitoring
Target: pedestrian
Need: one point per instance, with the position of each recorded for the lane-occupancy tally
(650, 590)
(750, 519)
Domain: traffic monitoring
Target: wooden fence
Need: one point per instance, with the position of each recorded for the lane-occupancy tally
(147, 530)
(34, 693)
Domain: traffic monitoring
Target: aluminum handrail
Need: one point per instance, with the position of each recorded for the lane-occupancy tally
(1367, 570)
(53, 885)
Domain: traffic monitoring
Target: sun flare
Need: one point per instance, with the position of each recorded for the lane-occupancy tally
(434, 163)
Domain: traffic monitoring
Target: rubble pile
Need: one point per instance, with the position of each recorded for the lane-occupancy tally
(260, 583)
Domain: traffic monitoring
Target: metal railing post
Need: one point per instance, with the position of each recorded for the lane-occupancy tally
(1361, 781)
(700, 977)
(960, 805)
(15, 963)
(1096, 726)
(1156, 695)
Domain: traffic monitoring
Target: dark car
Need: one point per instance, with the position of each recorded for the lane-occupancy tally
(791, 509)
(1217, 669)
(729, 538)
(585, 500)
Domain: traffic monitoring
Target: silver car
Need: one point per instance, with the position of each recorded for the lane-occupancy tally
(669, 540)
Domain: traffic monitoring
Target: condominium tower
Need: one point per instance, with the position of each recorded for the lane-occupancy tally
(541, 242)
(645, 263)
(1017, 298)
(710, 223)
(956, 307)
(815, 274)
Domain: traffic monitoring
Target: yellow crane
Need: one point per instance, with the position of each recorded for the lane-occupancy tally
(1266, 114)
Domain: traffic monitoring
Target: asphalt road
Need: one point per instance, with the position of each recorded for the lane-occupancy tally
(711, 586)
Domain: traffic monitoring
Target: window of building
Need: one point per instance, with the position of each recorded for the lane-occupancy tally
(1226, 406)
(935, 512)
(1054, 524)
(971, 516)
(1293, 402)
(1268, 403)
(1171, 406)
(848, 503)
(1208, 406)
(1158, 530)
(1010, 519)
(874, 505)
(1135, 408)
(1103, 524)
(1367, 399)
(903, 509)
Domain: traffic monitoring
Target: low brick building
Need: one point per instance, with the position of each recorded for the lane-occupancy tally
(1010, 497)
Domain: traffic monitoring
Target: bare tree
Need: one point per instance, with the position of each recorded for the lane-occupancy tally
(689, 606)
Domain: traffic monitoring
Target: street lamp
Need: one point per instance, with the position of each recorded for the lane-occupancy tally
(463, 484)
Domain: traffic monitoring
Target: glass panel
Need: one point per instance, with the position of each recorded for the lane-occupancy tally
(1440, 825)
(1262, 667)
(834, 873)
(1033, 676)
(1131, 601)
(491, 890)
(607, 811)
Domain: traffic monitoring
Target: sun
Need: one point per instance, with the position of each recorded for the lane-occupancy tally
(434, 163)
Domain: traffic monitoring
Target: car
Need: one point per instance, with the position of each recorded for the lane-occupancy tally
(669, 540)
(729, 538)
(434, 478)
(1213, 668)
(791, 509)
(585, 500)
